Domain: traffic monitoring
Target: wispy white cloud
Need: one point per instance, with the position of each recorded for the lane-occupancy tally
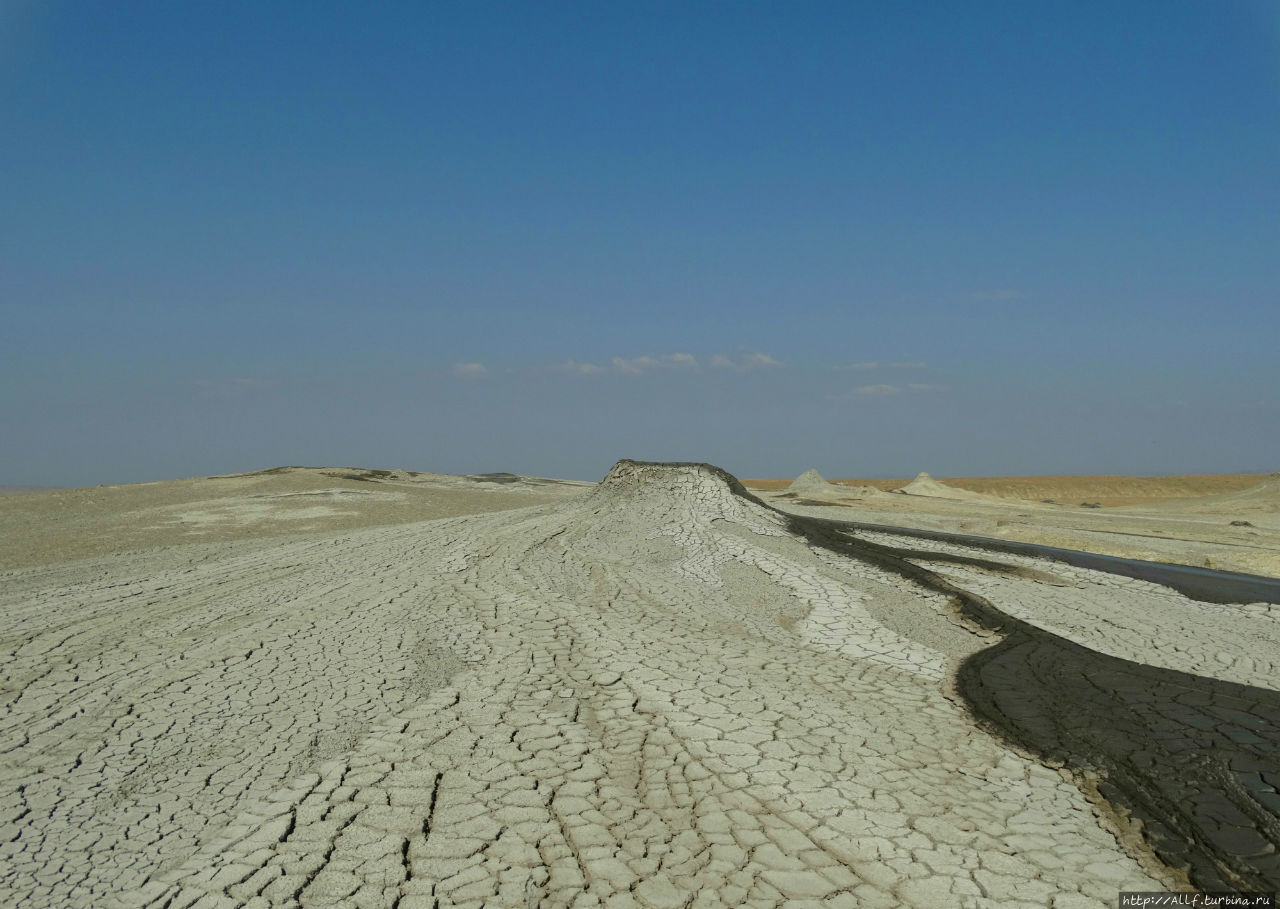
(636, 365)
(758, 360)
(882, 390)
(470, 370)
(745, 361)
(573, 367)
(868, 365)
(667, 362)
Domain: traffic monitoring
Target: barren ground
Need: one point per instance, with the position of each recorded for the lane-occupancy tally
(1229, 522)
(1069, 490)
(339, 687)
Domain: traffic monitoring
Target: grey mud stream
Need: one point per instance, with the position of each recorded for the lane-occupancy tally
(1195, 760)
(1203, 584)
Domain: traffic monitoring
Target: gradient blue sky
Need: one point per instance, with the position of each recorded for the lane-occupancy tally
(877, 238)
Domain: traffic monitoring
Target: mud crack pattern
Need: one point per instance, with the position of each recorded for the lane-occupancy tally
(660, 694)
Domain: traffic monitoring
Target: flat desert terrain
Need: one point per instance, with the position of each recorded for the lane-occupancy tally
(342, 687)
(1227, 522)
(1067, 490)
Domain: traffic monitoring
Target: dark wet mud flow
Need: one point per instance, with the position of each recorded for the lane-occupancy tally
(1202, 584)
(1194, 760)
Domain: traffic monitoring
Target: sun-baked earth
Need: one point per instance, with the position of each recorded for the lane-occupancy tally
(1228, 522)
(341, 687)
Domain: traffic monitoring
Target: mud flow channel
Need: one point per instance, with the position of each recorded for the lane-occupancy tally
(1195, 760)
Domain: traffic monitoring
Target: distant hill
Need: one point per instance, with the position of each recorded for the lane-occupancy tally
(6, 490)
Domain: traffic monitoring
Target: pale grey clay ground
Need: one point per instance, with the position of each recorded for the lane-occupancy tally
(646, 693)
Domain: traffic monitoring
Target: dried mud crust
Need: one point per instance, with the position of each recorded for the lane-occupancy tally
(663, 693)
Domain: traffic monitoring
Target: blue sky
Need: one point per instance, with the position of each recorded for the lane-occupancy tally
(996, 238)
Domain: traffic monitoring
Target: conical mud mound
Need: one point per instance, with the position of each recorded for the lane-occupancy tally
(812, 483)
(703, 484)
(925, 485)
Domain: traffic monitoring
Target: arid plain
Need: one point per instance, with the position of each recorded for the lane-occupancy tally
(379, 688)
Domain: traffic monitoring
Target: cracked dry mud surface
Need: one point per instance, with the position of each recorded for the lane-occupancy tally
(663, 693)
